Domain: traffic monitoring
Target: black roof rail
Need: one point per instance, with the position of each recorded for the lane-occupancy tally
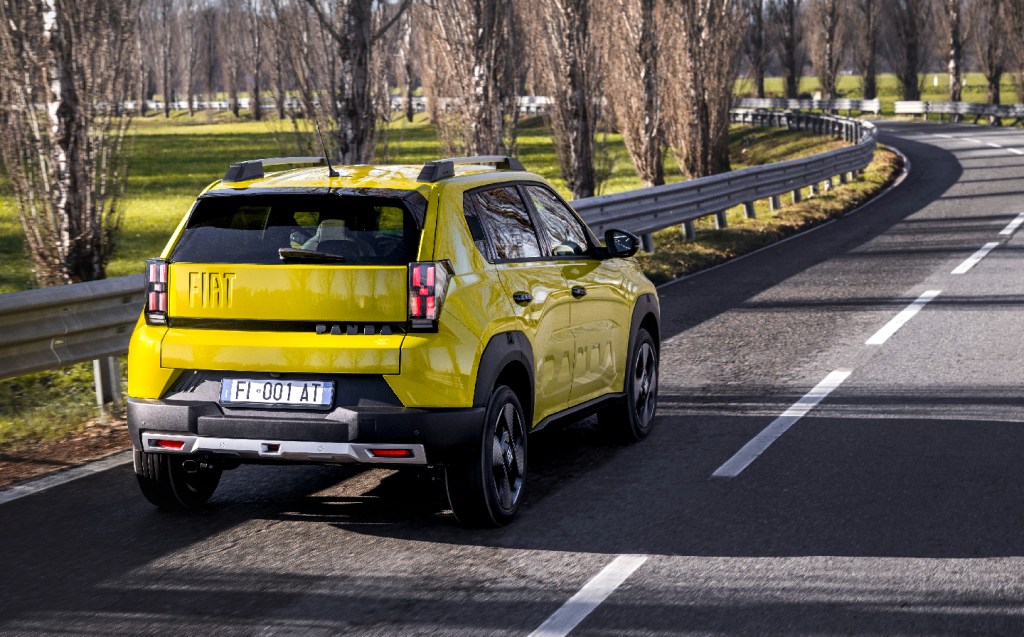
(253, 168)
(443, 168)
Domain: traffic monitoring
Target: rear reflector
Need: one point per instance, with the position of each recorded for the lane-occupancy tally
(168, 444)
(391, 453)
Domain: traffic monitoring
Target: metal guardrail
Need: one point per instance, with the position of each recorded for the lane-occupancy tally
(863, 106)
(52, 327)
(995, 112)
(651, 209)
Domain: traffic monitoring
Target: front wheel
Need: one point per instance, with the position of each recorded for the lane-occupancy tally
(486, 489)
(166, 483)
(631, 418)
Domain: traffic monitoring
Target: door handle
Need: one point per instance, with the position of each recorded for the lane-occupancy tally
(522, 297)
(579, 292)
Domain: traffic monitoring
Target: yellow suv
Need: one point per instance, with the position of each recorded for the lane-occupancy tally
(423, 316)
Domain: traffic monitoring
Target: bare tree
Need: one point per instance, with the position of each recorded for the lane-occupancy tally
(633, 86)
(988, 27)
(231, 34)
(754, 44)
(354, 29)
(952, 14)
(165, 23)
(867, 45)
(907, 26)
(473, 73)
(190, 58)
(66, 68)
(705, 70)
(254, 53)
(828, 43)
(786, 30)
(1015, 41)
(569, 65)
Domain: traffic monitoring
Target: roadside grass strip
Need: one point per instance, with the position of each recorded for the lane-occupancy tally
(598, 589)
(975, 258)
(1012, 226)
(760, 443)
(898, 321)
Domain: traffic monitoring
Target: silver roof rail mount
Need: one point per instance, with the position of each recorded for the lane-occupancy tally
(443, 168)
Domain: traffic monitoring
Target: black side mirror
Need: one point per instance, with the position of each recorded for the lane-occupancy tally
(620, 243)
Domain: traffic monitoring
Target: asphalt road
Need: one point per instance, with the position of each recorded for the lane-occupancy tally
(895, 505)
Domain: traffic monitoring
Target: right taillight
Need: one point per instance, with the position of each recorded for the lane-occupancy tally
(428, 283)
(156, 292)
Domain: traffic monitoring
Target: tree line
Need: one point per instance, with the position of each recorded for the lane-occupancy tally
(908, 37)
(661, 72)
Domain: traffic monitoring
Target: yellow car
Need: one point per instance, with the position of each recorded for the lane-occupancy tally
(424, 316)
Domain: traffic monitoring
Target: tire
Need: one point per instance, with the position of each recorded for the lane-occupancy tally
(486, 490)
(630, 419)
(165, 483)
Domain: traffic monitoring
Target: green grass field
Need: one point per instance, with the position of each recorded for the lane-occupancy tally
(173, 160)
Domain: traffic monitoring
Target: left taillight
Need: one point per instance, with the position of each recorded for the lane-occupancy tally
(156, 292)
(428, 284)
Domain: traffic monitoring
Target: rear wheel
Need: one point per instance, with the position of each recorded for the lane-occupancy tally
(486, 490)
(166, 484)
(631, 418)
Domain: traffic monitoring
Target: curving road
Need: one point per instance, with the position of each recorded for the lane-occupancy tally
(839, 451)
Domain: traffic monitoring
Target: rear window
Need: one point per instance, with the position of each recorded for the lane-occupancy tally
(252, 228)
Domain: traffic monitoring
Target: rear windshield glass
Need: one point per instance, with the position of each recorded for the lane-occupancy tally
(252, 228)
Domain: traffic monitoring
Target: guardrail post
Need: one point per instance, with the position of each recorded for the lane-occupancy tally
(844, 177)
(689, 231)
(797, 196)
(647, 241)
(774, 203)
(107, 372)
(749, 211)
(827, 184)
(721, 220)
(815, 189)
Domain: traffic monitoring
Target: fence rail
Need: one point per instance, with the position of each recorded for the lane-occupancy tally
(995, 112)
(52, 327)
(863, 106)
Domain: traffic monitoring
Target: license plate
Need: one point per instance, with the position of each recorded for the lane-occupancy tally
(277, 393)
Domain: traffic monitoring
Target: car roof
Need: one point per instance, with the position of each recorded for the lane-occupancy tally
(406, 177)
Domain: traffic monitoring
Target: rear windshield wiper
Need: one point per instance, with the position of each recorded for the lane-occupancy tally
(298, 254)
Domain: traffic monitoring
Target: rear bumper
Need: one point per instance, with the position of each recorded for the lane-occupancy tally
(345, 434)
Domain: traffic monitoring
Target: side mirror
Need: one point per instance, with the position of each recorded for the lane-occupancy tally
(620, 243)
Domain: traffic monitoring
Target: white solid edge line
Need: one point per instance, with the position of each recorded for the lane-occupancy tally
(1013, 225)
(898, 321)
(43, 483)
(759, 443)
(973, 260)
(574, 611)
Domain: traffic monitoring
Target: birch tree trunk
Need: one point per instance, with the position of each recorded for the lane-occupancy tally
(66, 69)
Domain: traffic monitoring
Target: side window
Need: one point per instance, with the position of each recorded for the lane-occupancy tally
(562, 229)
(504, 214)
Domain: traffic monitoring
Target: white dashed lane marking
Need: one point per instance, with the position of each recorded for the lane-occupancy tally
(574, 611)
(975, 258)
(750, 451)
(898, 321)
(1012, 226)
